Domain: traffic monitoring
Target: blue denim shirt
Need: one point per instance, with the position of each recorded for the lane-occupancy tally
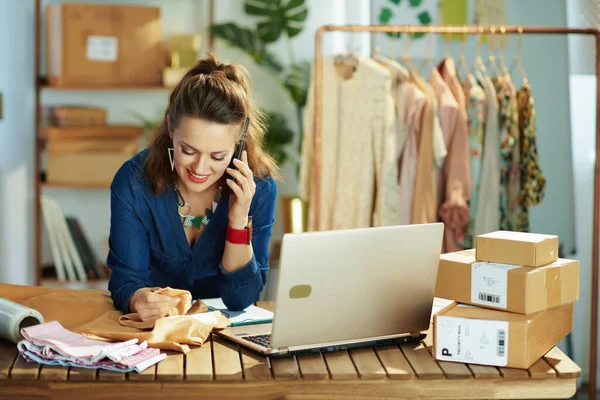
(148, 246)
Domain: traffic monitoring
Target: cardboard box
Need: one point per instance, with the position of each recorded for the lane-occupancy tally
(78, 116)
(91, 132)
(476, 335)
(104, 45)
(511, 288)
(517, 248)
(66, 164)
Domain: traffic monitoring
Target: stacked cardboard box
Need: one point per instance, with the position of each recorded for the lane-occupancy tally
(513, 300)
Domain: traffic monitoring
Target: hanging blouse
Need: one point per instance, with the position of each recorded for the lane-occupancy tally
(424, 203)
(387, 153)
(455, 182)
(413, 102)
(355, 115)
(476, 113)
(514, 178)
(533, 182)
(487, 218)
(508, 122)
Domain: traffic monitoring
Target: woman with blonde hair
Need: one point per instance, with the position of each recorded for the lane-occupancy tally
(185, 213)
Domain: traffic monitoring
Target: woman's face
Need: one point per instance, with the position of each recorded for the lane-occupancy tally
(203, 151)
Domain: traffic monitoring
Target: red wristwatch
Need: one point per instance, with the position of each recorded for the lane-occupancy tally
(240, 236)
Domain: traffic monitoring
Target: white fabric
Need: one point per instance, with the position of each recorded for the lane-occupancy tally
(355, 118)
(487, 218)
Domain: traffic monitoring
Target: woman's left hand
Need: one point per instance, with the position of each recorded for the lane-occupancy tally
(243, 188)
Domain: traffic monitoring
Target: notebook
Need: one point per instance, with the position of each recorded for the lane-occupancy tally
(249, 316)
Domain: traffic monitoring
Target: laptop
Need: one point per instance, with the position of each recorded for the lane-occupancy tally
(344, 289)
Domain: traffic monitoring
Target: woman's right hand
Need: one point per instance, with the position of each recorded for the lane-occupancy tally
(149, 305)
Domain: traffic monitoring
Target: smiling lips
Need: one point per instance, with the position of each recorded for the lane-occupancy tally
(197, 178)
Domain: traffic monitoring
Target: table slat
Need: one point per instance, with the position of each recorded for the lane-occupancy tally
(454, 370)
(564, 366)
(367, 364)
(24, 370)
(542, 370)
(312, 367)
(199, 363)
(8, 354)
(394, 362)
(340, 365)
(149, 374)
(82, 374)
(485, 371)
(54, 373)
(256, 367)
(451, 370)
(171, 368)
(226, 360)
(285, 368)
(106, 375)
(514, 373)
(421, 361)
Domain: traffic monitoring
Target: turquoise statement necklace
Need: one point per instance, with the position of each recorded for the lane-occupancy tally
(183, 209)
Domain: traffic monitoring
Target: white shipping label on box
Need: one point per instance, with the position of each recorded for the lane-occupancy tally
(489, 283)
(474, 341)
(102, 48)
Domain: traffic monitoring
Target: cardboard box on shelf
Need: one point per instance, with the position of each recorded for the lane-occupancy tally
(87, 162)
(95, 45)
(65, 116)
(522, 290)
(517, 248)
(476, 335)
(56, 133)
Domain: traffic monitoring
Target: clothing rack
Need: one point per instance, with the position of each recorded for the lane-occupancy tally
(476, 30)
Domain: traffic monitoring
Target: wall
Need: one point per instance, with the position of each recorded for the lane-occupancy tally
(16, 141)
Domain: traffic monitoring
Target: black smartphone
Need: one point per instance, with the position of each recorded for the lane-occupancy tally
(240, 146)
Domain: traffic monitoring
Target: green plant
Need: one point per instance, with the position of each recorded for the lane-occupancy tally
(278, 135)
(277, 19)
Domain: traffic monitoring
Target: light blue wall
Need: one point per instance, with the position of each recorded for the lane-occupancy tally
(16, 140)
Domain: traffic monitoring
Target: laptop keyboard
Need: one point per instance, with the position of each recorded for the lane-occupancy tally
(261, 340)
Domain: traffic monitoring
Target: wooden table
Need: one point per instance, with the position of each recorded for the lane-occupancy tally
(220, 369)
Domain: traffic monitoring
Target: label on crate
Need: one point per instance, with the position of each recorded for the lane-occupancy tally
(102, 48)
(473, 341)
(489, 283)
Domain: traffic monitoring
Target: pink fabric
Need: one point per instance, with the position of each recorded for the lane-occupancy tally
(52, 344)
(412, 101)
(454, 182)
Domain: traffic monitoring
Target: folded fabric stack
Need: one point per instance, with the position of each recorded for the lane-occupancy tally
(51, 344)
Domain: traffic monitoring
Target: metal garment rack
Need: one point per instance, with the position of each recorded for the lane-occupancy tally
(474, 30)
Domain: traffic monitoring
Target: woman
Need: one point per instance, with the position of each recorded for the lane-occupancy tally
(177, 217)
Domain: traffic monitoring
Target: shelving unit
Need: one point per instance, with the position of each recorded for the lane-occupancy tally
(43, 88)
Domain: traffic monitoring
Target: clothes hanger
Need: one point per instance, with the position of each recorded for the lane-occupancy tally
(478, 60)
(517, 60)
(427, 61)
(501, 52)
(346, 63)
(491, 58)
(462, 60)
(406, 58)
